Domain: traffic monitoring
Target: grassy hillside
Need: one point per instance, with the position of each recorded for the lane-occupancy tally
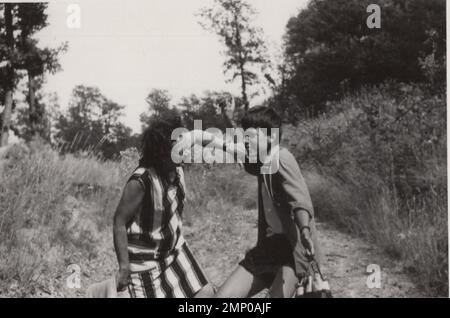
(53, 212)
(57, 210)
(379, 175)
(377, 167)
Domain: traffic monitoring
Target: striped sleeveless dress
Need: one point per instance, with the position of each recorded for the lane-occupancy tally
(161, 263)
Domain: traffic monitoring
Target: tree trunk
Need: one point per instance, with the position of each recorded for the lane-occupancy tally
(243, 85)
(33, 117)
(9, 85)
(241, 65)
(6, 118)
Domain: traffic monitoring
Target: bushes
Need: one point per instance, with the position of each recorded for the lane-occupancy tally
(329, 50)
(380, 159)
(45, 221)
(376, 166)
(57, 210)
(225, 184)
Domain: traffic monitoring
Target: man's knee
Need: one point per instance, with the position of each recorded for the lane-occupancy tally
(284, 283)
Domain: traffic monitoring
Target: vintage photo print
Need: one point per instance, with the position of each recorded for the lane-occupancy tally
(223, 149)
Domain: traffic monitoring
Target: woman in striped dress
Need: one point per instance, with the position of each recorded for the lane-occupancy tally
(154, 259)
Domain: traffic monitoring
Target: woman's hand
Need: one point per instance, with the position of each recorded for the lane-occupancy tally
(122, 279)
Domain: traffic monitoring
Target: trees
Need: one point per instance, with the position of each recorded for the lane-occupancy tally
(19, 53)
(211, 109)
(92, 122)
(158, 101)
(330, 49)
(245, 50)
(35, 120)
(7, 75)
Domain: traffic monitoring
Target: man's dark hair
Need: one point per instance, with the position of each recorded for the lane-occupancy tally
(157, 143)
(261, 117)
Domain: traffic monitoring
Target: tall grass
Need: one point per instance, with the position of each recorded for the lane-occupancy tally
(214, 189)
(52, 211)
(57, 209)
(377, 167)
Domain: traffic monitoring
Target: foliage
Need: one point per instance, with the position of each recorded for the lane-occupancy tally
(245, 50)
(19, 54)
(159, 102)
(92, 122)
(209, 108)
(330, 50)
(380, 169)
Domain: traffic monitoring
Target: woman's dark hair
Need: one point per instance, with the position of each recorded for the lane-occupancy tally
(262, 117)
(157, 143)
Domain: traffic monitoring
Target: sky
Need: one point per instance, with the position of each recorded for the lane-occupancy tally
(126, 48)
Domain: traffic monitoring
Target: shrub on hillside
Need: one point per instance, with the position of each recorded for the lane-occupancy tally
(380, 156)
(44, 221)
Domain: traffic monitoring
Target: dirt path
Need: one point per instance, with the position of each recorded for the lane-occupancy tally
(345, 263)
(345, 258)
(220, 242)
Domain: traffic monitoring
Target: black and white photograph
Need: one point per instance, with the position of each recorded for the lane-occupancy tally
(223, 149)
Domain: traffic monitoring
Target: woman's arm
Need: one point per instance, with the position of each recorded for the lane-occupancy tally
(205, 138)
(128, 205)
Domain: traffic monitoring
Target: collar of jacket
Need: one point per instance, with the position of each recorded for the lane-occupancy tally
(271, 163)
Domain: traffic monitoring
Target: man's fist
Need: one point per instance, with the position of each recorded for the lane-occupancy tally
(305, 237)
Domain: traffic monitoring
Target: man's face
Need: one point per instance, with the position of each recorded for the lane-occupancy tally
(256, 141)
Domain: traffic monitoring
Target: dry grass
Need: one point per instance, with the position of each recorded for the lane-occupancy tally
(57, 210)
(386, 181)
(52, 211)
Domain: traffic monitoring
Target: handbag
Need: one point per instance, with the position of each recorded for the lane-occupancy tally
(313, 284)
